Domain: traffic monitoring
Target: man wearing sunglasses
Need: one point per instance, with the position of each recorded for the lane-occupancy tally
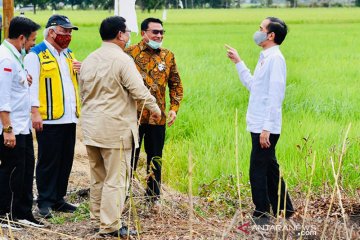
(55, 110)
(158, 68)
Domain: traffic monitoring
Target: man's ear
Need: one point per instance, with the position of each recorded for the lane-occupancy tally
(22, 37)
(272, 36)
(142, 33)
(50, 32)
(118, 36)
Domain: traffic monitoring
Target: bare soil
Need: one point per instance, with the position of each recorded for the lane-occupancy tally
(174, 221)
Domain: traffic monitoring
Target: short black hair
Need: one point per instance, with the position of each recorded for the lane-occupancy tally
(145, 23)
(111, 26)
(278, 27)
(22, 26)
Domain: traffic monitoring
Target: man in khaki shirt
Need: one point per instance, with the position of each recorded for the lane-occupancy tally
(110, 85)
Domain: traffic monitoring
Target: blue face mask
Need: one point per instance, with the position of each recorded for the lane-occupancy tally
(153, 44)
(128, 43)
(23, 52)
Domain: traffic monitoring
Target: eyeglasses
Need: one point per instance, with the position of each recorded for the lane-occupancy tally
(126, 31)
(156, 32)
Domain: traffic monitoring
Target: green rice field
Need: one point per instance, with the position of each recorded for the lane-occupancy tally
(322, 51)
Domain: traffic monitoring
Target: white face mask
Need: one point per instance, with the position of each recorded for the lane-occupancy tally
(260, 37)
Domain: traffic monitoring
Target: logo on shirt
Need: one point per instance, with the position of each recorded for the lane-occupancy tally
(7, 70)
(161, 67)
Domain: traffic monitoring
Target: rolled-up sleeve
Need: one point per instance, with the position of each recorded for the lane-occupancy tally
(6, 75)
(32, 65)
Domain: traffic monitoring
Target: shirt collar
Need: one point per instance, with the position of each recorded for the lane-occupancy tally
(52, 48)
(267, 52)
(13, 49)
(111, 45)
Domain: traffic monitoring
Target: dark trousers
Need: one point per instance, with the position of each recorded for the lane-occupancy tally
(56, 145)
(264, 178)
(16, 177)
(154, 139)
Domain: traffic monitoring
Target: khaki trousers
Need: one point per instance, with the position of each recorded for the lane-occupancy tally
(110, 175)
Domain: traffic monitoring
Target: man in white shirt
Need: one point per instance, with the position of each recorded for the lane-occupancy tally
(55, 105)
(16, 147)
(263, 118)
(0, 26)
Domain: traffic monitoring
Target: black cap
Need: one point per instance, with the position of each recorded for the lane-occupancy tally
(60, 20)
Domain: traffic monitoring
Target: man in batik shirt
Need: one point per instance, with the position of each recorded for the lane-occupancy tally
(158, 68)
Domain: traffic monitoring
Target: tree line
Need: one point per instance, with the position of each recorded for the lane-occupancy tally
(148, 5)
(56, 4)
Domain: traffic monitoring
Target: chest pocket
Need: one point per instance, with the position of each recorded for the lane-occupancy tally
(21, 80)
(49, 68)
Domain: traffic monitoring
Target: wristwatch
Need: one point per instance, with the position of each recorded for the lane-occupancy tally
(8, 129)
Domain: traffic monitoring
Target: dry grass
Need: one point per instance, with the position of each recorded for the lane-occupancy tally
(185, 216)
(173, 221)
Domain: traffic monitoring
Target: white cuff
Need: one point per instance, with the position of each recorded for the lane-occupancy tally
(5, 108)
(240, 66)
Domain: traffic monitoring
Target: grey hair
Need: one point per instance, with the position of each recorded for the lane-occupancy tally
(46, 31)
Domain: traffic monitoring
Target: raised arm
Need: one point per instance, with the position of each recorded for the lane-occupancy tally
(244, 73)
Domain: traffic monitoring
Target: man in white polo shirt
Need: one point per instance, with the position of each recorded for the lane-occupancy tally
(16, 146)
(267, 91)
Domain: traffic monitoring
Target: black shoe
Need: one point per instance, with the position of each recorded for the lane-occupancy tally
(122, 232)
(289, 214)
(30, 221)
(261, 221)
(4, 223)
(64, 207)
(45, 212)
